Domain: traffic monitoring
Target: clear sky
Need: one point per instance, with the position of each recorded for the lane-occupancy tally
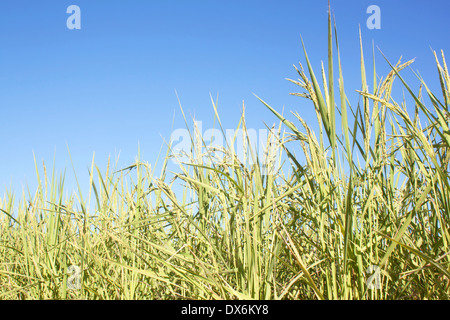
(111, 84)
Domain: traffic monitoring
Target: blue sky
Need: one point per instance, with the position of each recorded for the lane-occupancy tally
(111, 85)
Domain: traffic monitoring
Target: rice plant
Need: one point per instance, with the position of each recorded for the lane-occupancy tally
(359, 210)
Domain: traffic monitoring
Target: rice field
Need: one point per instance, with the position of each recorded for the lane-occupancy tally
(358, 210)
